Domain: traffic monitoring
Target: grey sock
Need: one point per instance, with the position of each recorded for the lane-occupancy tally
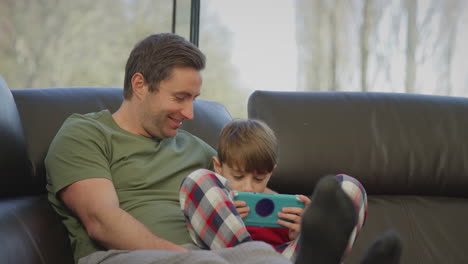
(326, 224)
(386, 249)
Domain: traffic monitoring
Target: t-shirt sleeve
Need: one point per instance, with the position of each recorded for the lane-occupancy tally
(78, 151)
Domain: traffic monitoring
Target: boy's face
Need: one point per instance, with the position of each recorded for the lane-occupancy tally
(240, 180)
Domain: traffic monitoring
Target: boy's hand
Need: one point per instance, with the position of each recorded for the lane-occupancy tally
(241, 208)
(293, 214)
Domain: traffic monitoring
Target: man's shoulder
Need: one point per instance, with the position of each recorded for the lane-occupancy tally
(90, 125)
(96, 121)
(90, 118)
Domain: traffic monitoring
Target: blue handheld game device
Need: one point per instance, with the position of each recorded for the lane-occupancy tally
(264, 207)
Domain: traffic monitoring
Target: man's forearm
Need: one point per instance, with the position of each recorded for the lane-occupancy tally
(116, 229)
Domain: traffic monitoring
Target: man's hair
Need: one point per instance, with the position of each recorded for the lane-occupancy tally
(155, 57)
(249, 145)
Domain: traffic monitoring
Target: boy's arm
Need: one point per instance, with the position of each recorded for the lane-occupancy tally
(96, 203)
(293, 214)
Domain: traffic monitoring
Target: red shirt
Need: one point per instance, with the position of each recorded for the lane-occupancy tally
(275, 236)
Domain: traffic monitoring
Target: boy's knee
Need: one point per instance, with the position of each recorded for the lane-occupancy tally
(204, 178)
(350, 184)
(346, 178)
(196, 175)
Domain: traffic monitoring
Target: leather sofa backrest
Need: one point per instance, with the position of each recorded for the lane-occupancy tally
(393, 143)
(42, 112)
(14, 165)
(30, 232)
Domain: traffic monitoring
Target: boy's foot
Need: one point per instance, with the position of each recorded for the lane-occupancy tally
(384, 250)
(326, 224)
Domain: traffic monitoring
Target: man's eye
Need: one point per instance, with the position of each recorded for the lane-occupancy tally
(178, 98)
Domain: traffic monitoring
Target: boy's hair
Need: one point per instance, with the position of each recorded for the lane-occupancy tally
(248, 145)
(155, 57)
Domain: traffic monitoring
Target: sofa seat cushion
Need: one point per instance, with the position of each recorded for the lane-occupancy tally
(433, 228)
(31, 232)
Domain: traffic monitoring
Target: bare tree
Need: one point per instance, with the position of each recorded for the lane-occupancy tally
(75, 43)
(318, 34)
(404, 46)
(412, 42)
(449, 17)
(332, 18)
(364, 39)
(221, 78)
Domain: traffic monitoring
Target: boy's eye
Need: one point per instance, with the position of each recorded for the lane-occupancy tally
(237, 177)
(259, 179)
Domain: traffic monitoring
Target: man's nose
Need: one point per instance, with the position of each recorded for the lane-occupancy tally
(187, 111)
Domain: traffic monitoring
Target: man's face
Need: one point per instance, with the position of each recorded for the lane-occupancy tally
(164, 110)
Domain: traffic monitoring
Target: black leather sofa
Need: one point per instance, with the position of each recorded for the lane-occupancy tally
(410, 152)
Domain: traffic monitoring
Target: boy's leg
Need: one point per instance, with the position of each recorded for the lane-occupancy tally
(356, 192)
(211, 217)
(354, 189)
(327, 224)
(386, 249)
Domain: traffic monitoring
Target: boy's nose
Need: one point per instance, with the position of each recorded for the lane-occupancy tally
(248, 187)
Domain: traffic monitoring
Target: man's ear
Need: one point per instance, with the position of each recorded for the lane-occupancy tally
(217, 165)
(139, 85)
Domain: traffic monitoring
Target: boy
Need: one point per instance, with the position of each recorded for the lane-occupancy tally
(247, 155)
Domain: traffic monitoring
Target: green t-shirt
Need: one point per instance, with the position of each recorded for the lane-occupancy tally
(146, 173)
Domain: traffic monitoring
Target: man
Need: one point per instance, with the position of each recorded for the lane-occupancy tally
(114, 178)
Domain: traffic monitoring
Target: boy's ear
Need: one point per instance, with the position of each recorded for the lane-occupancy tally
(217, 165)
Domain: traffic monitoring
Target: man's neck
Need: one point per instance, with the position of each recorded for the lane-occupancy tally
(126, 118)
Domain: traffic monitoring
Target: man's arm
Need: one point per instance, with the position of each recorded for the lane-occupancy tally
(96, 203)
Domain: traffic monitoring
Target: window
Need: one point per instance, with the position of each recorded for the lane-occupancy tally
(415, 46)
(250, 45)
(74, 43)
(340, 45)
